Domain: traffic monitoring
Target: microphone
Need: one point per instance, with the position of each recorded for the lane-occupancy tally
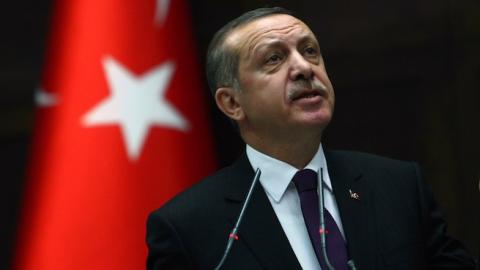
(233, 234)
(351, 265)
(323, 243)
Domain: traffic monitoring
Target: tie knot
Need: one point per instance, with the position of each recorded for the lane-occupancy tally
(305, 180)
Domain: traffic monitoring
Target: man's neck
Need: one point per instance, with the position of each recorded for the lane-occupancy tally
(297, 152)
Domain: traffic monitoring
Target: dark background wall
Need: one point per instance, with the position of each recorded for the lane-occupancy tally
(406, 75)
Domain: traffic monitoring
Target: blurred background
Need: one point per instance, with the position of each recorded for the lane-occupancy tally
(406, 75)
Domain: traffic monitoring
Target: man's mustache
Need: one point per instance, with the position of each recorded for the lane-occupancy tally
(304, 87)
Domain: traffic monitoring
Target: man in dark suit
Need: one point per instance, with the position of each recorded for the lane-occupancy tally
(267, 74)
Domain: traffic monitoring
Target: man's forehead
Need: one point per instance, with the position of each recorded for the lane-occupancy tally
(270, 26)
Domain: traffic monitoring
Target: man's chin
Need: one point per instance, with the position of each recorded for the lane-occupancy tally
(309, 127)
(315, 120)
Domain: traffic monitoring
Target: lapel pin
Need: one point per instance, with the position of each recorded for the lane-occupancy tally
(354, 195)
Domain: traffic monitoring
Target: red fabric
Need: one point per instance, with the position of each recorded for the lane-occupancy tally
(86, 201)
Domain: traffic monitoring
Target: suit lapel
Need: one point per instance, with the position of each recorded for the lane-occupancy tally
(260, 229)
(354, 201)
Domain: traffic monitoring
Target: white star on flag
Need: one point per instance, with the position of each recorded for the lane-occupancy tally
(136, 103)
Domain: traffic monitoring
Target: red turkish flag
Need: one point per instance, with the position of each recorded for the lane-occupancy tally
(121, 128)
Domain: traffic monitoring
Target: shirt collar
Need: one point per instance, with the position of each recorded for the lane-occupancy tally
(277, 175)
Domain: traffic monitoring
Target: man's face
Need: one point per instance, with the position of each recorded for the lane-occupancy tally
(283, 83)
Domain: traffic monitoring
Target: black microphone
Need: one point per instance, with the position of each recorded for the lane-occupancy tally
(233, 234)
(351, 265)
(323, 243)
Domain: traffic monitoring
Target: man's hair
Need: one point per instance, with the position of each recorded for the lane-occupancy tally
(222, 61)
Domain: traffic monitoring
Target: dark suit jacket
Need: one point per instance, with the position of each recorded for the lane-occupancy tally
(395, 224)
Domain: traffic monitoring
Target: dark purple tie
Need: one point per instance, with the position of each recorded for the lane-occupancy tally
(306, 183)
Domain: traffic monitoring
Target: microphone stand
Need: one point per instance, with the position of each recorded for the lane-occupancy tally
(323, 242)
(233, 234)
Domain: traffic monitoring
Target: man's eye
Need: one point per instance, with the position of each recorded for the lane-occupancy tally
(310, 51)
(274, 58)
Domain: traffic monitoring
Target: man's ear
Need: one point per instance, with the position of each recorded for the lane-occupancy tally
(227, 101)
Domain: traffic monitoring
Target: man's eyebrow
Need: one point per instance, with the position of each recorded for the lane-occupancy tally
(264, 45)
(308, 38)
(275, 43)
(267, 44)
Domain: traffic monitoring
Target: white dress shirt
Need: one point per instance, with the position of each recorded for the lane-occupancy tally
(276, 180)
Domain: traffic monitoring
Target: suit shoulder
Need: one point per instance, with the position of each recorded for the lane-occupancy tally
(373, 165)
(208, 191)
(366, 159)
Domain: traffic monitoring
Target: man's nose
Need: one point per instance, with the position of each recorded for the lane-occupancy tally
(300, 68)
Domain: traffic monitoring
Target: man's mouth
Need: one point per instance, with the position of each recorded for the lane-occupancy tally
(305, 94)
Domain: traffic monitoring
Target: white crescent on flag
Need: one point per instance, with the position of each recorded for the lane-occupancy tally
(44, 98)
(161, 10)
